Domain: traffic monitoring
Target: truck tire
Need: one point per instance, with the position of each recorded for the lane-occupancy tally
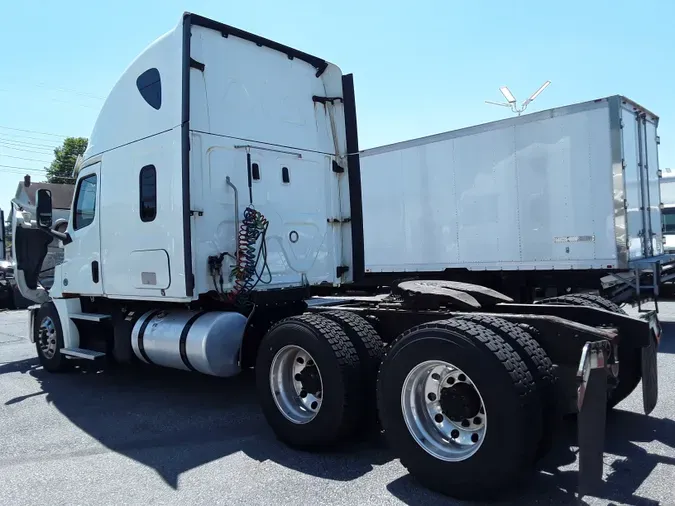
(308, 380)
(602, 302)
(592, 301)
(370, 349)
(48, 336)
(520, 337)
(630, 359)
(458, 381)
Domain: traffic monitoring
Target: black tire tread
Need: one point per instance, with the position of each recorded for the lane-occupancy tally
(521, 379)
(348, 363)
(601, 301)
(370, 350)
(537, 361)
(369, 346)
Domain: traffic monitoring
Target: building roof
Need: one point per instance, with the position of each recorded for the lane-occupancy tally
(62, 194)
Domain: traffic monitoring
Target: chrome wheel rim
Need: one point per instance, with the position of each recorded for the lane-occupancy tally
(444, 411)
(47, 338)
(296, 383)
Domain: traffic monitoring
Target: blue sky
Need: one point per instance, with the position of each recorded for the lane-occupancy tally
(419, 67)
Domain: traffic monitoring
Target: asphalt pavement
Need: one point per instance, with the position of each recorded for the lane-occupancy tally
(178, 438)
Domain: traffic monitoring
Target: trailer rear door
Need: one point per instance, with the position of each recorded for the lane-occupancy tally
(641, 179)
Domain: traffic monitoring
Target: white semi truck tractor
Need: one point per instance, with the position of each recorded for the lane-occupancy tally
(220, 190)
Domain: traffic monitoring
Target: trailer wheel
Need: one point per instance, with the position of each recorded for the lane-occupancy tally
(630, 359)
(520, 337)
(308, 381)
(48, 336)
(370, 349)
(457, 404)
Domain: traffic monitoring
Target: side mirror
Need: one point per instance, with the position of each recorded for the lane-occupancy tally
(43, 207)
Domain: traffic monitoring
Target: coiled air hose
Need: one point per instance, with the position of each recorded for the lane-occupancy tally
(245, 271)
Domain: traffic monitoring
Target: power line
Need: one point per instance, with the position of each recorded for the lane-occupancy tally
(14, 137)
(22, 168)
(13, 148)
(26, 159)
(33, 132)
(28, 144)
(56, 100)
(68, 90)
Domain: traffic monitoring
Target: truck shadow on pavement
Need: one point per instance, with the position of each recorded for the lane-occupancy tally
(173, 422)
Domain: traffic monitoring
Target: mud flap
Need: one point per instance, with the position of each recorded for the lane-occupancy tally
(650, 380)
(592, 407)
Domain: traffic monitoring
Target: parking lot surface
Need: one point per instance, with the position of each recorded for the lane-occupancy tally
(141, 437)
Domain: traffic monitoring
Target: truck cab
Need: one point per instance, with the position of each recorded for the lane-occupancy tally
(208, 121)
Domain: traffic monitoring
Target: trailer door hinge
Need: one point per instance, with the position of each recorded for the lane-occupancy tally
(659, 173)
(324, 100)
(340, 270)
(199, 213)
(621, 123)
(337, 168)
(658, 140)
(338, 220)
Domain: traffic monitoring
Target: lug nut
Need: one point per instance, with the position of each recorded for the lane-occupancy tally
(454, 434)
(431, 396)
(451, 380)
(477, 420)
(438, 418)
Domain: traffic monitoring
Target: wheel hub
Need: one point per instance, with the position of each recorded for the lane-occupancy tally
(443, 410)
(460, 401)
(309, 379)
(47, 338)
(296, 384)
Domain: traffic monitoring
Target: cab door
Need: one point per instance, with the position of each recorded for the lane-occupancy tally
(81, 269)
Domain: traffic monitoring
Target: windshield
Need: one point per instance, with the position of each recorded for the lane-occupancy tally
(668, 220)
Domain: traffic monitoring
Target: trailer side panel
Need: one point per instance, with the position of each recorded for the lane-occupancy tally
(534, 192)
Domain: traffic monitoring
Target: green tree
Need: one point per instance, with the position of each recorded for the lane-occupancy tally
(61, 169)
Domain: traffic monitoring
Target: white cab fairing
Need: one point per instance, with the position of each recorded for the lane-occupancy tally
(253, 120)
(204, 111)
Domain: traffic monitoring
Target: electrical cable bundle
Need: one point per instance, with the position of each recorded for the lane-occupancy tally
(245, 271)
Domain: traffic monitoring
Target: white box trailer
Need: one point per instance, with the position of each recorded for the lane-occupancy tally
(571, 188)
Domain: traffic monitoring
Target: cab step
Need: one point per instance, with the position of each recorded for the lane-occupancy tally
(82, 353)
(90, 317)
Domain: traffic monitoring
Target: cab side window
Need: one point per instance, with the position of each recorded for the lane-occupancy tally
(85, 202)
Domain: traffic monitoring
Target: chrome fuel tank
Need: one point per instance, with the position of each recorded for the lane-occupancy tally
(202, 341)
